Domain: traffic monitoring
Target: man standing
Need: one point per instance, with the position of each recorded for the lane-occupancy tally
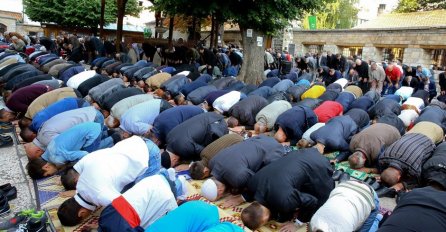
(393, 79)
(377, 75)
(362, 68)
(208, 58)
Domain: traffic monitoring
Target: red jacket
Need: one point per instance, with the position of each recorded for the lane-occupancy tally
(328, 110)
(395, 74)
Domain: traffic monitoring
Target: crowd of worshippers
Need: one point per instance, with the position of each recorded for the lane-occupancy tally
(116, 132)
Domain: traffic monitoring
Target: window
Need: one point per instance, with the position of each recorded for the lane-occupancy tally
(381, 8)
(438, 57)
(315, 49)
(352, 51)
(392, 54)
(140, 3)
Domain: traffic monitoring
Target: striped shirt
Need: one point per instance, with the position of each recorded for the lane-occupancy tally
(408, 154)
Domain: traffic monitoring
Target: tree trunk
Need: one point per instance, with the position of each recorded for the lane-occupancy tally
(157, 22)
(121, 12)
(211, 40)
(101, 23)
(171, 22)
(222, 33)
(194, 28)
(252, 68)
(217, 32)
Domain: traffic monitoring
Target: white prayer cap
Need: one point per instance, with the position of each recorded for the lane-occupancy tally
(209, 190)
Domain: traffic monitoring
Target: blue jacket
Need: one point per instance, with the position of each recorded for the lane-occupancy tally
(345, 99)
(363, 103)
(295, 121)
(67, 74)
(197, 96)
(58, 107)
(71, 144)
(264, 91)
(336, 133)
(270, 82)
(189, 87)
(171, 118)
(383, 107)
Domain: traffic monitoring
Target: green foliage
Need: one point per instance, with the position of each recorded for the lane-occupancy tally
(340, 14)
(75, 13)
(266, 16)
(405, 6)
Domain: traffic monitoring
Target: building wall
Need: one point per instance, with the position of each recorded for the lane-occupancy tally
(417, 43)
(9, 23)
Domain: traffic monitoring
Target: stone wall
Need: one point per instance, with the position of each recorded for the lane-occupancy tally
(10, 23)
(416, 42)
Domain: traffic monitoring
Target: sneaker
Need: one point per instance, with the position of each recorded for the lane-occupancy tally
(4, 206)
(13, 222)
(5, 141)
(37, 224)
(20, 221)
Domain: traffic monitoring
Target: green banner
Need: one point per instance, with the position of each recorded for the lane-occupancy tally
(312, 21)
(147, 33)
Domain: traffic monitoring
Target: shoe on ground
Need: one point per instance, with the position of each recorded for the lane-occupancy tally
(9, 193)
(337, 174)
(386, 192)
(4, 206)
(5, 141)
(344, 177)
(20, 221)
(5, 186)
(37, 224)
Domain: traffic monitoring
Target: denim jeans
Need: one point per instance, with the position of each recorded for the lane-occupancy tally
(372, 222)
(154, 165)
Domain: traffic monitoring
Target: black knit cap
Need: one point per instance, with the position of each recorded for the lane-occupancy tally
(165, 160)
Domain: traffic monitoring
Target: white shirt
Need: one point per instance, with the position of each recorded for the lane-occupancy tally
(342, 82)
(225, 102)
(185, 73)
(104, 173)
(408, 116)
(77, 79)
(151, 198)
(312, 129)
(415, 101)
(404, 92)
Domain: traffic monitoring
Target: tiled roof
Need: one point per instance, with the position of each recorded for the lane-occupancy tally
(12, 15)
(407, 20)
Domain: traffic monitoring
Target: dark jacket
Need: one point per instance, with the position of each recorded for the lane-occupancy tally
(296, 91)
(246, 110)
(212, 96)
(277, 96)
(189, 138)
(329, 95)
(363, 70)
(174, 84)
(209, 58)
(17, 70)
(235, 86)
(335, 87)
(361, 117)
(223, 82)
(383, 107)
(68, 73)
(264, 91)
(248, 89)
(345, 99)
(311, 103)
(295, 121)
(204, 78)
(85, 86)
(282, 86)
(21, 77)
(434, 168)
(393, 120)
(442, 78)
(270, 82)
(172, 117)
(408, 155)
(118, 96)
(433, 114)
(336, 133)
(422, 209)
(197, 96)
(235, 165)
(363, 103)
(301, 180)
(423, 94)
(191, 86)
(31, 80)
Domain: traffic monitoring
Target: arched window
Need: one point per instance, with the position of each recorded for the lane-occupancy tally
(3, 28)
